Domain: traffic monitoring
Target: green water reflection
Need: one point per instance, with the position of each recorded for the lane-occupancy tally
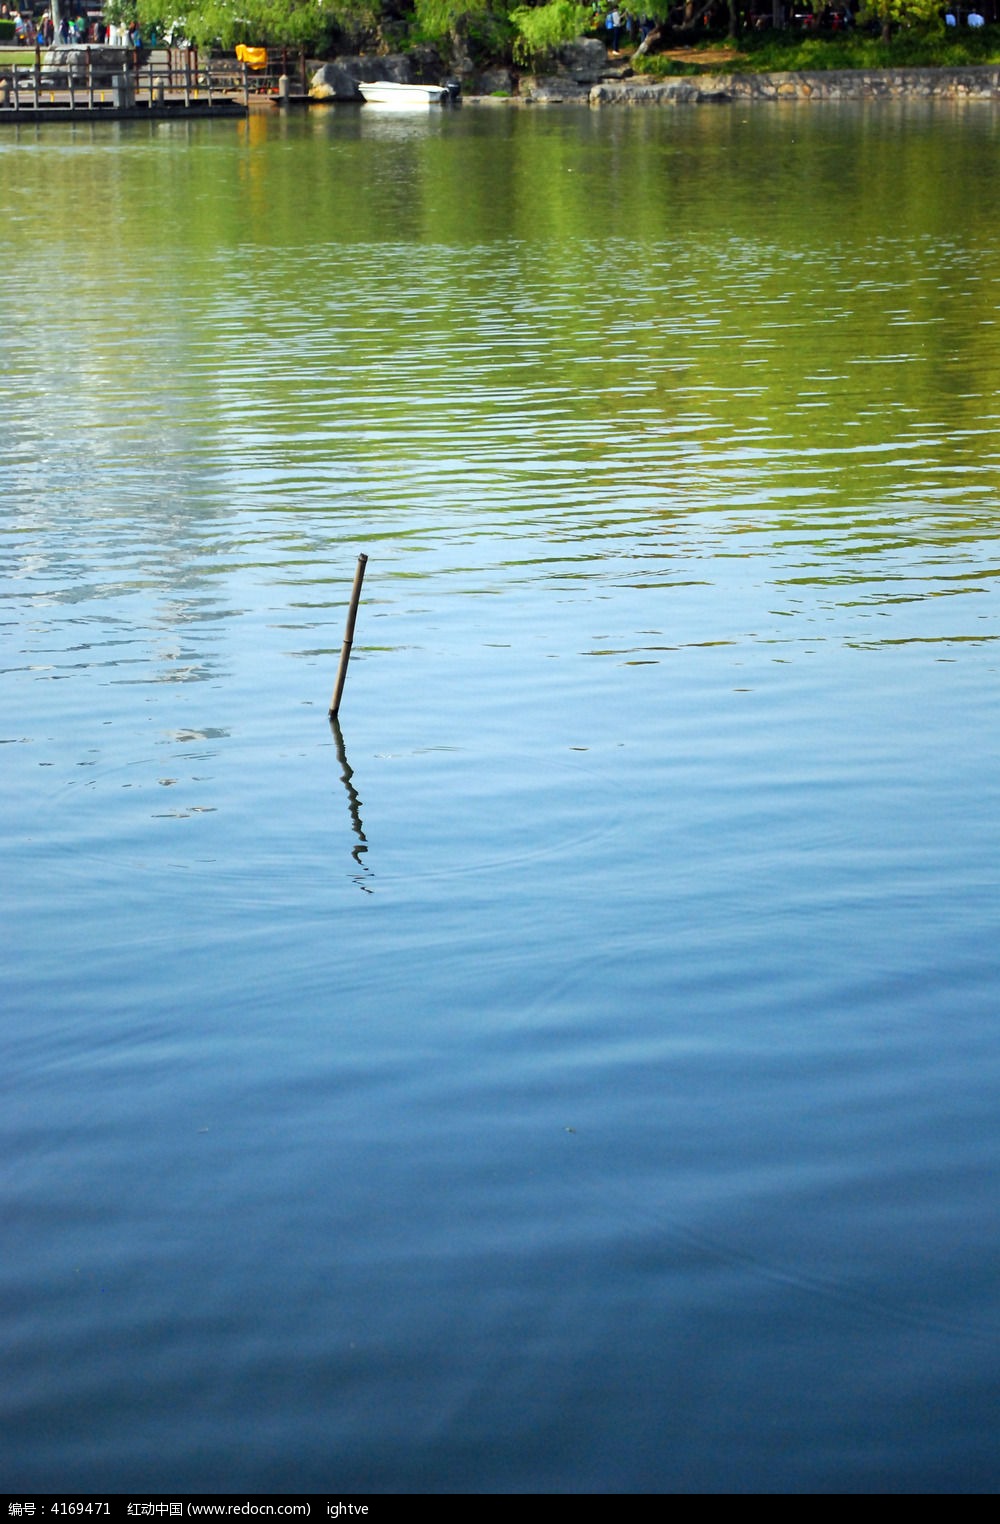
(792, 310)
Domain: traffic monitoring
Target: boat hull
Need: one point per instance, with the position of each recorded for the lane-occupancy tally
(383, 92)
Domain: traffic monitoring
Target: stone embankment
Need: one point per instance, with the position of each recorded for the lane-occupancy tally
(973, 83)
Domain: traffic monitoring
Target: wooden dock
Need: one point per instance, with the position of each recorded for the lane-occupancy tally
(169, 85)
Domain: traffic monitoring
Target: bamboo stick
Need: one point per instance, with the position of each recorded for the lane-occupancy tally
(345, 655)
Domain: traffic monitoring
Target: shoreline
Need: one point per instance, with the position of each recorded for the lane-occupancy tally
(979, 82)
(968, 82)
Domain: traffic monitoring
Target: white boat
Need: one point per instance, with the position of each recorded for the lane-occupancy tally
(382, 92)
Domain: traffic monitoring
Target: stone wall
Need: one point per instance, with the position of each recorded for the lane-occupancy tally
(980, 83)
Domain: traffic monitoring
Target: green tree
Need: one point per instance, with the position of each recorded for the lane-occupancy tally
(311, 24)
(922, 15)
(466, 30)
(540, 29)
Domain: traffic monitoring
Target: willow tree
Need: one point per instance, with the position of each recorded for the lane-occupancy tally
(464, 29)
(540, 29)
(310, 24)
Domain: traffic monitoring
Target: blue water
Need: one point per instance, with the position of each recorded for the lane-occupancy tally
(579, 1072)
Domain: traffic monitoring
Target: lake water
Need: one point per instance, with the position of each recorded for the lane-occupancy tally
(581, 1071)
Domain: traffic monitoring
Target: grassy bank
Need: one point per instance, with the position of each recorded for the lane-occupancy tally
(769, 52)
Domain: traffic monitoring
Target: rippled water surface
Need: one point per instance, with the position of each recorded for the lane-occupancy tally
(580, 1071)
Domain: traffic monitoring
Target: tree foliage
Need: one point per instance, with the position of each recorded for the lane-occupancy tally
(479, 27)
(462, 30)
(438, 19)
(924, 15)
(542, 28)
(311, 24)
(482, 27)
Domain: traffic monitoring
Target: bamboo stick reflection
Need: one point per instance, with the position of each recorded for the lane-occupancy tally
(353, 805)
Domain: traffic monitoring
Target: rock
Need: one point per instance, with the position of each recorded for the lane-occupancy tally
(493, 82)
(73, 62)
(656, 93)
(339, 80)
(427, 65)
(333, 83)
(371, 66)
(461, 59)
(552, 88)
(585, 60)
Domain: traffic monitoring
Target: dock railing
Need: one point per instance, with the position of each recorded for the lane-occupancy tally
(163, 77)
(283, 64)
